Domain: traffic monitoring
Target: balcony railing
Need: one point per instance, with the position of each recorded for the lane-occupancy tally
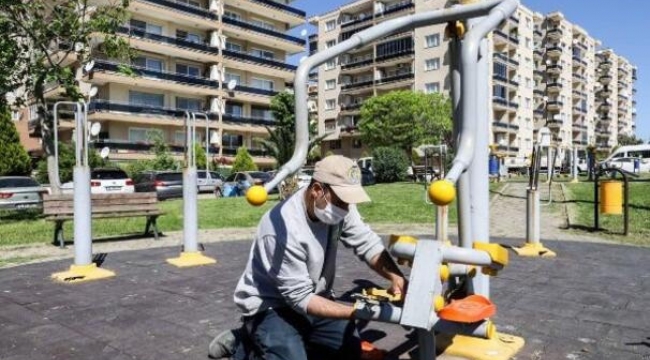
(246, 120)
(262, 30)
(353, 106)
(579, 109)
(395, 78)
(555, 103)
(399, 7)
(232, 151)
(255, 90)
(554, 68)
(184, 7)
(144, 72)
(138, 146)
(357, 21)
(135, 32)
(500, 33)
(357, 63)
(553, 49)
(357, 84)
(282, 7)
(348, 34)
(579, 93)
(554, 32)
(503, 125)
(122, 107)
(259, 60)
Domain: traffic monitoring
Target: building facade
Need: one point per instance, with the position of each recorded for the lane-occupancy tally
(545, 71)
(225, 58)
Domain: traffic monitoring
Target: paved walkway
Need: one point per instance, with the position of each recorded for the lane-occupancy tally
(591, 302)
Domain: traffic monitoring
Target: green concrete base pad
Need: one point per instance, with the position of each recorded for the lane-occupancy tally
(500, 347)
(189, 259)
(82, 273)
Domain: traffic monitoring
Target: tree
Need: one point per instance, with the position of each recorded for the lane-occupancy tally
(14, 160)
(67, 162)
(628, 140)
(389, 164)
(201, 159)
(243, 161)
(39, 36)
(282, 137)
(406, 119)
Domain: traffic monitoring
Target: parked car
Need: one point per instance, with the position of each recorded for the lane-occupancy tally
(625, 164)
(210, 181)
(238, 183)
(105, 181)
(167, 184)
(367, 177)
(20, 192)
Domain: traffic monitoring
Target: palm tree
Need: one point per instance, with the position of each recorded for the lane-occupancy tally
(282, 137)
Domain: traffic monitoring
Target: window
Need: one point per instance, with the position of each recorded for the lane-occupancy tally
(432, 87)
(262, 24)
(500, 71)
(330, 104)
(330, 124)
(330, 25)
(142, 135)
(232, 141)
(188, 104)
(330, 64)
(233, 47)
(330, 43)
(356, 143)
(190, 37)
(262, 84)
(188, 70)
(529, 43)
(528, 103)
(15, 115)
(232, 15)
(235, 77)
(499, 91)
(190, 2)
(146, 99)
(432, 64)
(179, 137)
(335, 145)
(263, 53)
(149, 64)
(394, 47)
(235, 109)
(431, 41)
(529, 83)
(146, 27)
(261, 113)
(330, 84)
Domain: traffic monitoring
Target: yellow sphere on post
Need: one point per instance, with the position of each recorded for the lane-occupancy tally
(442, 192)
(256, 195)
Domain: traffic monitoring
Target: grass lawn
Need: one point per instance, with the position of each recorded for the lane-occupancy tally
(582, 196)
(392, 203)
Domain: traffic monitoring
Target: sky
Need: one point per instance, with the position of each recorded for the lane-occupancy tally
(620, 25)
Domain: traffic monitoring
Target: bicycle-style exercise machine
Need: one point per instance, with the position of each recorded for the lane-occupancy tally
(449, 285)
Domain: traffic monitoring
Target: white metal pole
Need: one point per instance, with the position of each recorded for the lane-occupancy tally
(82, 197)
(190, 216)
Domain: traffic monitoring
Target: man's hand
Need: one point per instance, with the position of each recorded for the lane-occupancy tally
(398, 286)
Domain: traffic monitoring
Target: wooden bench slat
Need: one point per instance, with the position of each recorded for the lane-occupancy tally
(137, 195)
(104, 209)
(63, 217)
(127, 201)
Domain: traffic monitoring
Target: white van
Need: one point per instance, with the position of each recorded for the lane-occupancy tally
(624, 158)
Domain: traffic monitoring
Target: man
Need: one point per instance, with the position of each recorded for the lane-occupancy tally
(285, 292)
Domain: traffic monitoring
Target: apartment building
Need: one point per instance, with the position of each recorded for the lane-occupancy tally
(226, 58)
(544, 72)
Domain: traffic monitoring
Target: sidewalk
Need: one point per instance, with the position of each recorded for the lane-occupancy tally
(588, 303)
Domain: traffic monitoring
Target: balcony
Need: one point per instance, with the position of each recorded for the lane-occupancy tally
(538, 92)
(554, 69)
(500, 38)
(394, 55)
(183, 8)
(554, 105)
(258, 60)
(579, 94)
(554, 87)
(351, 107)
(357, 63)
(605, 79)
(579, 110)
(605, 64)
(499, 103)
(538, 112)
(554, 34)
(578, 62)
(577, 78)
(356, 85)
(604, 92)
(360, 20)
(106, 71)
(578, 127)
(232, 151)
(500, 78)
(121, 147)
(508, 149)
(158, 43)
(538, 74)
(261, 30)
(399, 7)
(285, 8)
(99, 105)
(504, 127)
(514, 38)
(348, 34)
(554, 51)
(554, 123)
(255, 90)
(604, 107)
(235, 118)
(395, 79)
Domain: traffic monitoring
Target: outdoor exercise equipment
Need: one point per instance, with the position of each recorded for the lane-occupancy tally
(190, 255)
(464, 269)
(533, 246)
(613, 197)
(83, 269)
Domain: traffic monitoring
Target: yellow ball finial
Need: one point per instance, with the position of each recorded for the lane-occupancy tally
(256, 195)
(442, 192)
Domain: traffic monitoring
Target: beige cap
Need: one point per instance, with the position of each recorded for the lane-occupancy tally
(344, 177)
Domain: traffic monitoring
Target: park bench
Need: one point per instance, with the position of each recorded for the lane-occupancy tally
(422, 173)
(60, 208)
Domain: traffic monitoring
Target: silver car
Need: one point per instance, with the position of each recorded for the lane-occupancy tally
(20, 192)
(210, 181)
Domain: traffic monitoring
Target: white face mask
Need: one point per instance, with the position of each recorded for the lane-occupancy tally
(331, 214)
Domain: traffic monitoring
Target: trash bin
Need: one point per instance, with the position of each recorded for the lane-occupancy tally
(611, 197)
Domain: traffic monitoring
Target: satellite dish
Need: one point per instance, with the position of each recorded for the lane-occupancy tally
(95, 128)
(557, 117)
(214, 138)
(93, 91)
(89, 65)
(303, 33)
(105, 151)
(232, 84)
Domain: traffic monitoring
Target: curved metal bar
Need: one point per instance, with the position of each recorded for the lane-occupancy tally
(364, 37)
(469, 55)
